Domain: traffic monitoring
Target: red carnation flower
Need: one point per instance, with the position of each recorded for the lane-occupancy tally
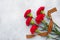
(39, 10)
(27, 12)
(33, 29)
(42, 8)
(39, 18)
(28, 21)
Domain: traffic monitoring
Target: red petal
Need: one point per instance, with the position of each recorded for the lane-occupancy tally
(27, 12)
(33, 29)
(39, 18)
(42, 8)
(28, 21)
(39, 10)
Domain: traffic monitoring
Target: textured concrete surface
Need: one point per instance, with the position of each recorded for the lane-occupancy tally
(12, 21)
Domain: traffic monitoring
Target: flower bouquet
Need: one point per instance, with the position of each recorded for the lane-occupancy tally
(43, 24)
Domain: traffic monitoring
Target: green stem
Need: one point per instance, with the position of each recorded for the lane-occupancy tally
(37, 31)
(56, 25)
(56, 31)
(45, 24)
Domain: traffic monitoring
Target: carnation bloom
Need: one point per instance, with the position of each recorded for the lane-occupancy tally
(28, 13)
(29, 21)
(33, 28)
(39, 18)
(40, 10)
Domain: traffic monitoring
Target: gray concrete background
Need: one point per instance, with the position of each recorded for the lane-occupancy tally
(12, 21)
